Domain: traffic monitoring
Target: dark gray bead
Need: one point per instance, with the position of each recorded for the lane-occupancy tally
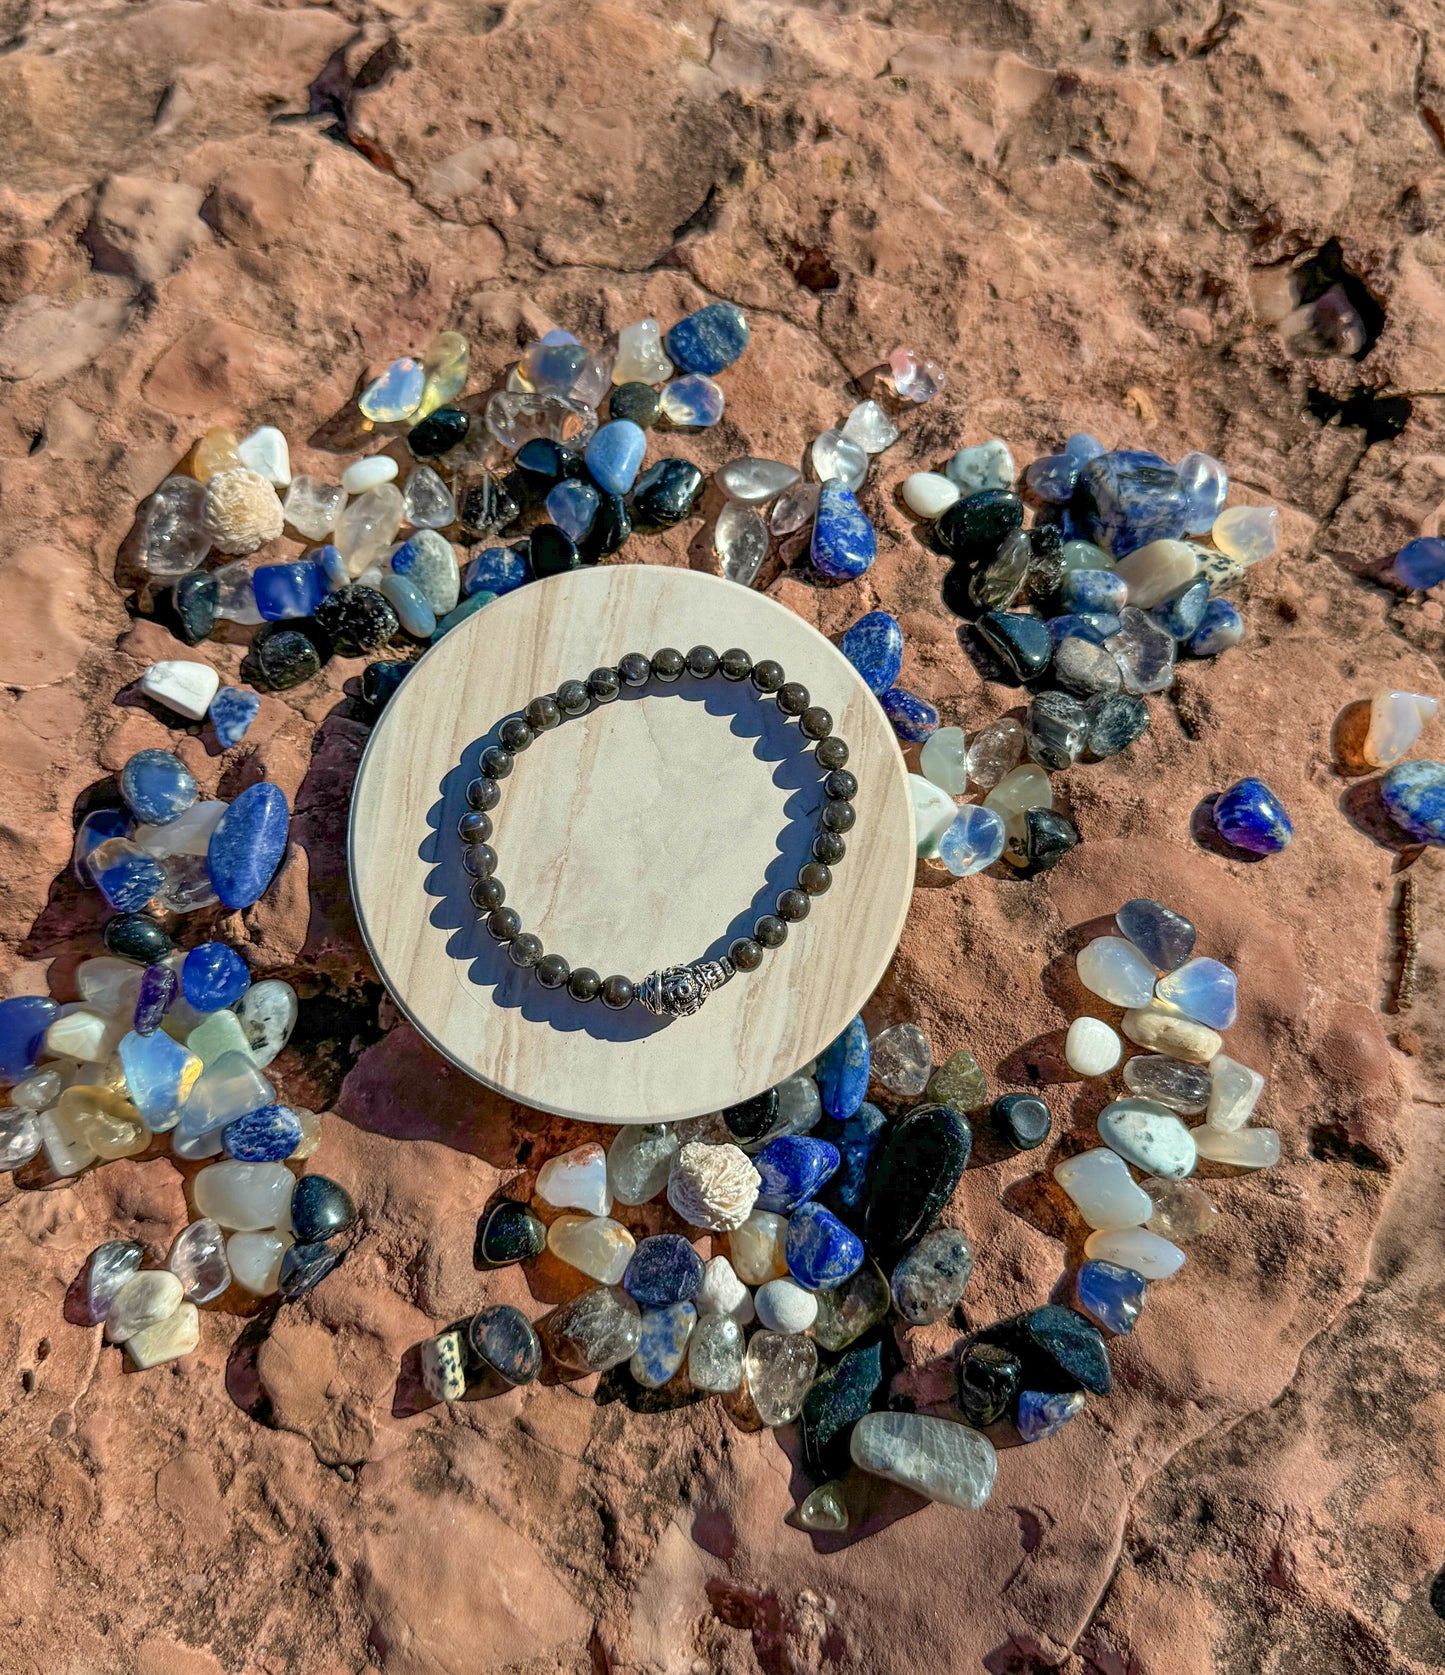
(668, 664)
(814, 878)
(552, 971)
(496, 762)
(543, 714)
(840, 786)
(603, 685)
(635, 669)
(815, 722)
(832, 752)
(515, 735)
(746, 954)
(584, 983)
(735, 664)
(572, 697)
(829, 847)
(702, 662)
(771, 932)
(793, 697)
(837, 817)
(484, 793)
(475, 827)
(480, 859)
(616, 992)
(524, 949)
(793, 905)
(504, 923)
(488, 893)
(768, 676)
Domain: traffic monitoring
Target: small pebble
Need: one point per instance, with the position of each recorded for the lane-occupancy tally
(1091, 1048)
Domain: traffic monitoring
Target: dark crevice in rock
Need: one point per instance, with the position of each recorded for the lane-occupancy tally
(1330, 1143)
(1381, 417)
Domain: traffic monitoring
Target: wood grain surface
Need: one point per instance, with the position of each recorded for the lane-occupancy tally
(651, 831)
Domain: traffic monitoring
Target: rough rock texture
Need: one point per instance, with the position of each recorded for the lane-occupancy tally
(219, 213)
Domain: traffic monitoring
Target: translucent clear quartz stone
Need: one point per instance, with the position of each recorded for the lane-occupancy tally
(1116, 971)
(901, 1059)
(595, 1245)
(944, 760)
(187, 834)
(396, 394)
(1144, 652)
(444, 366)
(1396, 722)
(1246, 534)
(1183, 1210)
(800, 1107)
(1205, 483)
(693, 402)
(367, 528)
(995, 751)
(870, 428)
(594, 381)
(143, 1300)
(914, 377)
(795, 508)
(1091, 1048)
(551, 368)
(111, 1266)
(576, 1180)
(236, 594)
(780, 1370)
(1144, 1252)
(639, 1161)
(1103, 1190)
(755, 481)
(186, 887)
(427, 503)
(933, 814)
(974, 839)
(198, 1260)
(172, 532)
(1179, 1087)
(825, 1509)
(1244, 1148)
(740, 539)
(38, 1092)
(1234, 1091)
(836, 459)
(517, 417)
(715, 1354)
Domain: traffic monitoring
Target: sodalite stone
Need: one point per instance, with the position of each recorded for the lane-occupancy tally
(844, 542)
(693, 402)
(1129, 498)
(1182, 615)
(124, 874)
(1204, 990)
(1040, 1414)
(662, 1344)
(157, 786)
(663, 1269)
(496, 570)
(821, 1252)
(158, 988)
(429, 562)
(264, 1136)
(793, 1167)
(23, 1023)
(843, 1071)
(874, 646)
(1420, 564)
(1114, 1296)
(1052, 478)
(1220, 627)
(159, 1075)
(857, 1140)
(1093, 626)
(231, 713)
(287, 590)
(1084, 591)
(1250, 816)
(247, 845)
(1083, 447)
(214, 976)
(1414, 797)
(303, 1267)
(913, 717)
(709, 340)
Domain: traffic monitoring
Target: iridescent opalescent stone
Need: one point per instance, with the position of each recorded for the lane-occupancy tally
(159, 1075)
(1205, 483)
(1251, 817)
(973, 840)
(1202, 989)
(693, 402)
(396, 394)
(1247, 534)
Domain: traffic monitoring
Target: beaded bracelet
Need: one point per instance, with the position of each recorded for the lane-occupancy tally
(678, 990)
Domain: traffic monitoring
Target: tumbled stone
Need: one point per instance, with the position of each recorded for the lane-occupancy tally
(1022, 1119)
(1144, 651)
(944, 757)
(84, 1035)
(930, 1279)
(1086, 669)
(159, 1074)
(267, 1013)
(995, 751)
(1183, 1210)
(692, 402)
(919, 1164)
(639, 1161)
(312, 507)
(1114, 1296)
(1157, 571)
(1202, 989)
(795, 508)
(662, 1344)
(857, 1141)
(576, 1180)
(1040, 1415)
(915, 378)
(1091, 1048)
(1250, 816)
(1116, 719)
(231, 713)
(157, 786)
(740, 539)
(1116, 971)
(722, 1292)
(414, 614)
(320, 1209)
(706, 341)
(844, 542)
(444, 1366)
(780, 1369)
(1419, 564)
(1164, 937)
(20, 1139)
(395, 394)
(901, 1060)
(1168, 1082)
(934, 811)
(1396, 722)
(166, 1340)
(101, 1119)
(303, 1267)
(715, 1354)
(1056, 1348)
(752, 1119)
(181, 685)
(247, 844)
(1413, 794)
(666, 492)
(1182, 614)
(929, 493)
(1246, 534)
(263, 1136)
(282, 656)
(144, 1299)
(1161, 1029)
(843, 1071)
(936, 1458)
(1135, 1248)
(988, 1382)
(1245, 1148)
(851, 1309)
(757, 1247)
(442, 430)
(640, 359)
(429, 562)
(913, 718)
(1021, 644)
(1058, 727)
(171, 534)
(874, 646)
(988, 465)
(792, 1169)
(840, 1395)
(198, 1260)
(824, 1509)
(110, 1268)
(1233, 1092)
(783, 1305)
(1102, 1189)
(501, 1338)
(1149, 1136)
(246, 1197)
(1128, 498)
(595, 1331)
(662, 1269)
(959, 1082)
(509, 1232)
(821, 1252)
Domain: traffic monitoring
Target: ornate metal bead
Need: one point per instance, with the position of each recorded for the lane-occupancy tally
(679, 990)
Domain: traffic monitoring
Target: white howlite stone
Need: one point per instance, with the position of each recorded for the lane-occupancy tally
(181, 685)
(577, 1180)
(143, 1300)
(937, 1458)
(265, 452)
(1245, 1148)
(1396, 721)
(713, 1186)
(246, 1197)
(1091, 1048)
(169, 1339)
(990, 465)
(594, 1245)
(1135, 1247)
(870, 427)
(835, 459)
(783, 1306)
(1162, 1030)
(1234, 1091)
(1149, 1136)
(929, 494)
(944, 760)
(255, 1260)
(187, 834)
(1103, 1190)
(364, 474)
(755, 481)
(1116, 971)
(722, 1292)
(933, 814)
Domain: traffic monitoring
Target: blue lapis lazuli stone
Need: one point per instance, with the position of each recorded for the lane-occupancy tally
(819, 1250)
(874, 646)
(1203, 989)
(1182, 614)
(264, 1136)
(693, 402)
(1041, 1414)
(126, 876)
(460, 613)
(232, 711)
(709, 340)
(843, 1071)
(662, 1343)
(97, 826)
(844, 542)
(572, 506)
(214, 976)
(157, 786)
(1112, 1294)
(1083, 447)
(913, 718)
(288, 590)
(793, 1168)
(1094, 626)
(664, 1269)
(158, 988)
(24, 1020)
(1093, 590)
(614, 453)
(247, 845)
(1053, 478)
(1421, 564)
(1414, 797)
(1219, 628)
(1129, 498)
(159, 1075)
(496, 570)
(857, 1141)
(1250, 816)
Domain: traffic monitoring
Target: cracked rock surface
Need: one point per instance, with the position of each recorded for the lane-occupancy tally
(226, 213)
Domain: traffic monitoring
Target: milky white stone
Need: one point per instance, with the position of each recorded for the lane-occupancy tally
(639, 1161)
(740, 539)
(835, 458)
(187, 834)
(1156, 570)
(84, 1035)
(196, 1148)
(783, 1306)
(1091, 1048)
(713, 1186)
(641, 358)
(722, 1292)
(755, 481)
(1246, 1148)
(938, 1458)
(368, 526)
(1149, 1136)
(944, 760)
(756, 1247)
(1246, 534)
(989, 465)
(1116, 971)
(1015, 794)
(267, 1013)
(368, 473)
(144, 1299)
(933, 812)
(169, 1339)
(1103, 1190)
(312, 507)
(255, 1260)
(181, 685)
(38, 1092)
(929, 494)
(107, 984)
(266, 453)
(1234, 1091)
(594, 1245)
(870, 427)
(1162, 1030)
(1396, 721)
(65, 1155)
(225, 1090)
(246, 1197)
(577, 1180)
(1135, 1247)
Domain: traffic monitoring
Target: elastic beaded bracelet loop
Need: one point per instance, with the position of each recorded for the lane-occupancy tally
(676, 991)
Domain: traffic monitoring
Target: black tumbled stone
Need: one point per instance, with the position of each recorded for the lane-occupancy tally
(282, 656)
(509, 1232)
(356, 619)
(665, 493)
(1048, 837)
(132, 936)
(552, 551)
(438, 432)
(840, 1396)
(1022, 644)
(918, 1165)
(193, 601)
(988, 1382)
(971, 530)
(1057, 1348)
(956, 592)
(380, 680)
(487, 505)
(502, 1338)
(542, 462)
(1116, 719)
(638, 402)
(320, 1209)
(1022, 1119)
(609, 529)
(754, 1117)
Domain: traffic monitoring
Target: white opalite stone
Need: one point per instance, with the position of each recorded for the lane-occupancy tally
(870, 427)
(755, 481)
(835, 459)
(594, 1245)
(65, 1155)
(84, 1035)
(246, 1197)
(577, 1180)
(938, 1458)
(144, 1299)
(187, 834)
(1116, 971)
(169, 1339)
(929, 494)
(255, 1260)
(1155, 571)
(1137, 1248)
(1163, 1030)
(229, 1088)
(368, 473)
(756, 1247)
(1103, 1190)
(1149, 1136)
(944, 760)
(196, 1148)
(1245, 1148)
(722, 1292)
(312, 507)
(933, 812)
(783, 1306)
(1234, 1091)
(1091, 1048)
(1396, 721)
(266, 453)
(182, 685)
(641, 358)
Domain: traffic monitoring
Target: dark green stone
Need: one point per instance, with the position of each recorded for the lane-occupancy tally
(380, 680)
(438, 432)
(1057, 1348)
(610, 528)
(972, 529)
(988, 1382)
(754, 1117)
(1116, 719)
(840, 1396)
(193, 601)
(665, 494)
(1022, 1119)
(552, 551)
(509, 1232)
(281, 656)
(919, 1164)
(638, 402)
(502, 1338)
(356, 620)
(1022, 644)
(132, 936)
(320, 1209)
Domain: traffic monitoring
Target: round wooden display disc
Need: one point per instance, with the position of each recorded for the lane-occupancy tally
(649, 832)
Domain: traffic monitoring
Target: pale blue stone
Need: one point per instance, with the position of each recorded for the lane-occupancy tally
(844, 542)
(429, 562)
(1093, 626)
(1085, 591)
(820, 1251)
(793, 1167)
(614, 454)
(857, 1141)
(264, 1136)
(843, 1071)
(157, 786)
(125, 875)
(1219, 628)
(1182, 615)
(332, 567)
(662, 1344)
(874, 646)
(1414, 797)
(410, 604)
(496, 570)
(572, 506)
(1113, 1295)
(1129, 498)
(709, 340)
(692, 402)
(557, 335)
(468, 607)
(553, 365)
(913, 718)
(1083, 447)
(1052, 478)
(159, 1074)
(1205, 483)
(974, 840)
(247, 844)
(1040, 1414)
(1420, 564)
(232, 711)
(1202, 989)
